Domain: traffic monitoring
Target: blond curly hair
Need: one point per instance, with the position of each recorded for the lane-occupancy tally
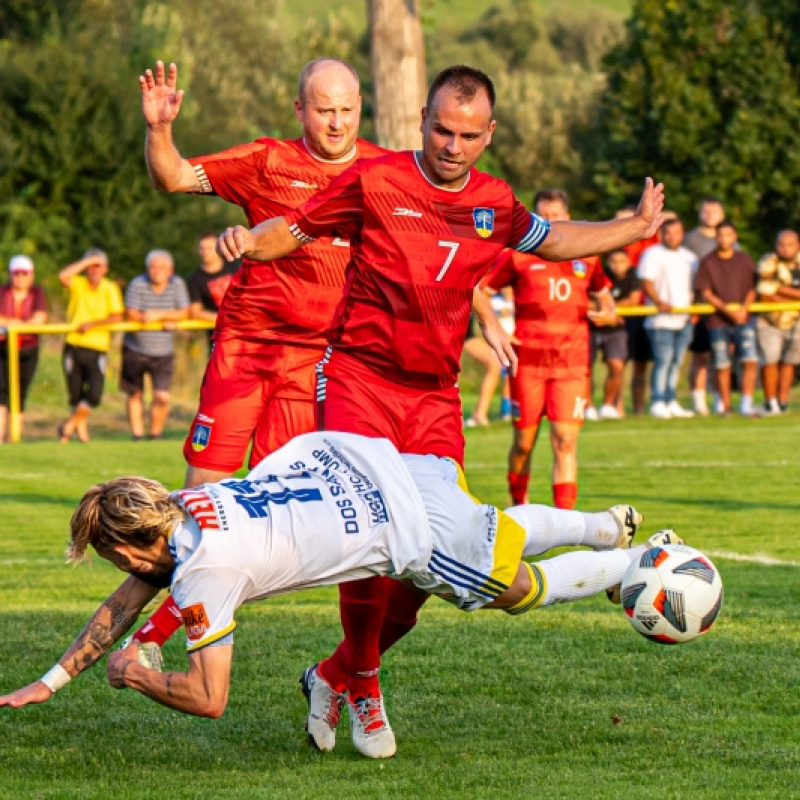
(130, 510)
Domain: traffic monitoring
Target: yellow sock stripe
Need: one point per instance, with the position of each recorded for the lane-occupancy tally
(535, 595)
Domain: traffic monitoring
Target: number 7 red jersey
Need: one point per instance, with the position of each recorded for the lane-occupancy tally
(417, 252)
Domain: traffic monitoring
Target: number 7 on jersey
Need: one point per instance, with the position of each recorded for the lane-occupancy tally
(452, 247)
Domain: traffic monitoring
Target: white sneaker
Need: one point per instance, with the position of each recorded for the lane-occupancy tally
(660, 410)
(609, 412)
(676, 410)
(324, 709)
(149, 654)
(372, 734)
(772, 408)
(628, 521)
(719, 406)
(591, 415)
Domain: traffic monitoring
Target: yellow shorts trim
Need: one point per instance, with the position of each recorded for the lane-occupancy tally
(211, 639)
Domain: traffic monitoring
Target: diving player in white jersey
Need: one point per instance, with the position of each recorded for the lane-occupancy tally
(326, 508)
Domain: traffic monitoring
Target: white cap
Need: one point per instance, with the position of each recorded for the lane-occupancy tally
(20, 264)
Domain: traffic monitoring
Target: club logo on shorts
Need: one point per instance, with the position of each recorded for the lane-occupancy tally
(580, 268)
(516, 414)
(201, 436)
(483, 219)
(196, 621)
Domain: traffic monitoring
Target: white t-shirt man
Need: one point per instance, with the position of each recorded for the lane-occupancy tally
(672, 275)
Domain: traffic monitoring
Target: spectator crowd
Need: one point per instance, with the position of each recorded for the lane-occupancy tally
(675, 270)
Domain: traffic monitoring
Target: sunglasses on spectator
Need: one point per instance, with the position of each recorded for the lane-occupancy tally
(16, 272)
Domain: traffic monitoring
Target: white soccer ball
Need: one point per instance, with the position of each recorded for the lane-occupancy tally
(672, 593)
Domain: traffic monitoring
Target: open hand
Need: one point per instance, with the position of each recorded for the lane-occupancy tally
(502, 344)
(161, 101)
(650, 207)
(35, 692)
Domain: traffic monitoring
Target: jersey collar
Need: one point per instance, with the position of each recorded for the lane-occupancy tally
(440, 188)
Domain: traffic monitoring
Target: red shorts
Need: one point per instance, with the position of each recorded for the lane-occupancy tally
(252, 390)
(534, 396)
(353, 398)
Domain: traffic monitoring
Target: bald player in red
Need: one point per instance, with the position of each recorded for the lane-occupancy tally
(270, 332)
(425, 227)
(552, 301)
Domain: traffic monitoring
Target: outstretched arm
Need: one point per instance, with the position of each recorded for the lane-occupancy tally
(108, 625)
(161, 103)
(202, 691)
(269, 240)
(580, 239)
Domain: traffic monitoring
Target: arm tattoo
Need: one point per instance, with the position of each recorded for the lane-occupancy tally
(96, 639)
(169, 684)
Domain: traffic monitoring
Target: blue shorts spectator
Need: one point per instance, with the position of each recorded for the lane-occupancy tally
(742, 336)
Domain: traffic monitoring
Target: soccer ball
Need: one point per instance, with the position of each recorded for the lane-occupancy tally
(672, 593)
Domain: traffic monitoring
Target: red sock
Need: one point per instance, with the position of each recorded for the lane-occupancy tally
(565, 495)
(401, 614)
(362, 606)
(161, 625)
(334, 668)
(518, 487)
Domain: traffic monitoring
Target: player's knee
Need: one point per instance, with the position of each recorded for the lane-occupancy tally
(161, 398)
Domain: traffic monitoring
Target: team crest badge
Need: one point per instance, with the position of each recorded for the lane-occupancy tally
(483, 219)
(201, 437)
(580, 268)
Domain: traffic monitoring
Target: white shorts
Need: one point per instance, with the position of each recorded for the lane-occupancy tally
(476, 548)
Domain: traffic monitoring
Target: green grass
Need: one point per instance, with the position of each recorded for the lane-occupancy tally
(483, 704)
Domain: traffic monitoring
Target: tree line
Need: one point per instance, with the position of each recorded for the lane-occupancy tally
(703, 93)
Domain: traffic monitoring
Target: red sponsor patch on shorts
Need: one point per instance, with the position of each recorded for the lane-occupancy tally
(196, 621)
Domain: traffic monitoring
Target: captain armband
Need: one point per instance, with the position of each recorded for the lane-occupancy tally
(535, 595)
(536, 234)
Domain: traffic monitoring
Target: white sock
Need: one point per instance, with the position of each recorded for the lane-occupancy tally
(573, 576)
(547, 527)
(699, 400)
(746, 404)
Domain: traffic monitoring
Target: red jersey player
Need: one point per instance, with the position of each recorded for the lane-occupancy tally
(425, 227)
(269, 336)
(552, 300)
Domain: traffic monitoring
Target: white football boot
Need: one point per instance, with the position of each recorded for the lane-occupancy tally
(628, 520)
(371, 732)
(658, 539)
(324, 709)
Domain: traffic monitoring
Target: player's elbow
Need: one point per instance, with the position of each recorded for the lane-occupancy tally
(211, 707)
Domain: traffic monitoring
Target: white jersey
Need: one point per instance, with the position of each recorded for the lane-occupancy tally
(327, 508)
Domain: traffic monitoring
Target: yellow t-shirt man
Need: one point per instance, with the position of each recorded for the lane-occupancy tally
(87, 304)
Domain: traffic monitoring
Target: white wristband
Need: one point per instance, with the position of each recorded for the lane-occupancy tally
(56, 679)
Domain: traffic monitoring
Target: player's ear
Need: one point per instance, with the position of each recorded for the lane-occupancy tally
(492, 126)
(298, 110)
(423, 115)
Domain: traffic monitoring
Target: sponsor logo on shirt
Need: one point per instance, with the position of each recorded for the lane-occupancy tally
(580, 268)
(337, 242)
(202, 509)
(303, 185)
(483, 219)
(406, 212)
(196, 621)
(204, 418)
(377, 507)
(534, 267)
(201, 436)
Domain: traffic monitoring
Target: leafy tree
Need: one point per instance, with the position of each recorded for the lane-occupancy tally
(701, 95)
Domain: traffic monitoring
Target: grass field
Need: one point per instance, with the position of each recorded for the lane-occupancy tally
(562, 703)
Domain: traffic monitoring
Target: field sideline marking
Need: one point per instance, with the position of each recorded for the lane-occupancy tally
(661, 465)
(767, 561)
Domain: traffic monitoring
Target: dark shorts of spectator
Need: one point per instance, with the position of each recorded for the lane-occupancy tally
(611, 342)
(85, 371)
(639, 348)
(136, 365)
(28, 359)
(701, 341)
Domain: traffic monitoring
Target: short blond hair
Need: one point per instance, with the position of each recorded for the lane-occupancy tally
(131, 510)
